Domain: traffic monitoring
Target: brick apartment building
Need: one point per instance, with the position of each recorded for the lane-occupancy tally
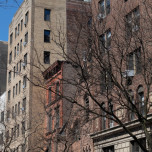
(115, 22)
(32, 48)
(58, 109)
(3, 66)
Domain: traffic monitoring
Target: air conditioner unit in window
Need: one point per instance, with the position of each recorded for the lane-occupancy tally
(100, 16)
(135, 28)
(25, 23)
(17, 33)
(23, 86)
(22, 109)
(17, 52)
(24, 43)
(128, 73)
(111, 124)
(23, 64)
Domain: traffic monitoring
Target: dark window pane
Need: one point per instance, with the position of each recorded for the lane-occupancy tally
(47, 15)
(46, 57)
(46, 35)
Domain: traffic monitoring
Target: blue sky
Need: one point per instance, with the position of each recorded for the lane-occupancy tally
(7, 11)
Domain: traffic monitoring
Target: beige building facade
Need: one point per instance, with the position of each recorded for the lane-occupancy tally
(31, 50)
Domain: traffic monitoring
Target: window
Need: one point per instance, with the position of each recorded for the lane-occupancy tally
(14, 71)
(15, 109)
(105, 41)
(26, 19)
(57, 91)
(14, 52)
(103, 120)
(26, 39)
(20, 66)
(18, 130)
(1, 139)
(2, 116)
(141, 100)
(47, 14)
(19, 87)
(16, 89)
(104, 7)
(46, 57)
(46, 35)
(10, 57)
(17, 68)
(21, 45)
(57, 117)
(49, 95)
(125, 0)
(18, 29)
(24, 105)
(8, 115)
(7, 136)
(21, 25)
(134, 61)
(132, 22)
(13, 112)
(109, 149)
(9, 95)
(12, 133)
(18, 49)
(24, 81)
(13, 91)
(23, 148)
(131, 108)
(25, 61)
(49, 123)
(106, 81)
(15, 32)
(11, 38)
(135, 147)
(18, 108)
(9, 76)
(23, 127)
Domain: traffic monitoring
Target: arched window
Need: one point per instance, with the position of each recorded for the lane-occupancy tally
(140, 92)
(131, 108)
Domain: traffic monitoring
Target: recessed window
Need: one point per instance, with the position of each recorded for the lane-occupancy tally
(57, 118)
(24, 81)
(46, 57)
(9, 95)
(21, 25)
(24, 105)
(16, 32)
(46, 35)
(108, 149)
(26, 18)
(49, 95)
(9, 76)
(19, 87)
(16, 89)
(18, 29)
(49, 123)
(2, 116)
(23, 127)
(135, 146)
(134, 62)
(105, 41)
(21, 45)
(18, 108)
(26, 39)
(57, 90)
(11, 38)
(14, 52)
(47, 14)
(132, 22)
(13, 91)
(10, 57)
(104, 8)
(25, 61)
